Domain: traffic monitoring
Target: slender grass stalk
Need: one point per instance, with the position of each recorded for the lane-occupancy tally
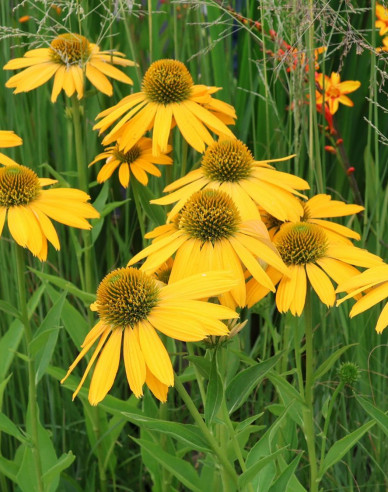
(32, 395)
(221, 455)
(89, 284)
(308, 413)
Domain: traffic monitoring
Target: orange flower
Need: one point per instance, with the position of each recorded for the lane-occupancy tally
(385, 47)
(333, 91)
(382, 16)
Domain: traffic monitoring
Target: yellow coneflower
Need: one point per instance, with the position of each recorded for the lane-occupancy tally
(28, 208)
(8, 139)
(68, 58)
(334, 91)
(138, 161)
(315, 210)
(208, 234)
(374, 282)
(168, 98)
(382, 19)
(131, 306)
(229, 166)
(312, 257)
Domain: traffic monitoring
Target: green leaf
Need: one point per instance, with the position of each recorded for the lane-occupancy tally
(281, 483)
(8, 468)
(43, 344)
(8, 308)
(380, 417)
(154, 212)
(26, 476)
(9, 342)
(290, 397)
(243, 384)
(65, 285)
(52, 473)
(341, 447)
(75, 324)
(214, 394)
(241, 425)
(329, 362)
(245, 478)
(203, 365)
(181, 469)
(7, 426)
(185, 433)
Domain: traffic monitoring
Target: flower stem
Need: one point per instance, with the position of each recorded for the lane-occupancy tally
(82, 171)
(89, 282)
(32, 398)
(308, 412)
(228, 467)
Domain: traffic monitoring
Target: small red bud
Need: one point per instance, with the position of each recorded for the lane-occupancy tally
(350, 170)
(331, 149)
(340, 141)
(258, 25)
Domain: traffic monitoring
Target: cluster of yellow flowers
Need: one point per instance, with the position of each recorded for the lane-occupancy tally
(237, 228)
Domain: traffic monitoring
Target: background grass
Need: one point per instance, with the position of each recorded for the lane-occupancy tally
(274, 119)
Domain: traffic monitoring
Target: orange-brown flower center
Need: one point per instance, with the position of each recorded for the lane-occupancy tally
(126, 296)
(167, 81)
(18, 186)
(209, 215)
(70, 49)
(227, 160)
(300, 243)
(129, 157)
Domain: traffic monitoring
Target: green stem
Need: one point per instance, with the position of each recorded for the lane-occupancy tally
(139, 210)
(327, 422)
(308, 412)
(32, 397)
(89, 283)
(82, 171)
(150, 30)
(198, 377)
(228, 467)
(235, 443)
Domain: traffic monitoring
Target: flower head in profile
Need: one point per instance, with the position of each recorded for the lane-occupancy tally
(208, 234)
(28, 208)
(333, 91)
(382, 19)
(229, 166)
(313, 258)
(131, 306)
(168, 98)
(138, 161)
(374, 282)
(68, 57)
(315, 211)
(8, 139)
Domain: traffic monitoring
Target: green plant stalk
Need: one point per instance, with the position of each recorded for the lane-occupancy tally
(198, 376)
(82, 172)
(32, 397)
(205, 431)
(89, 284)
(327, 422)
(150, 30)
(308, 412)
